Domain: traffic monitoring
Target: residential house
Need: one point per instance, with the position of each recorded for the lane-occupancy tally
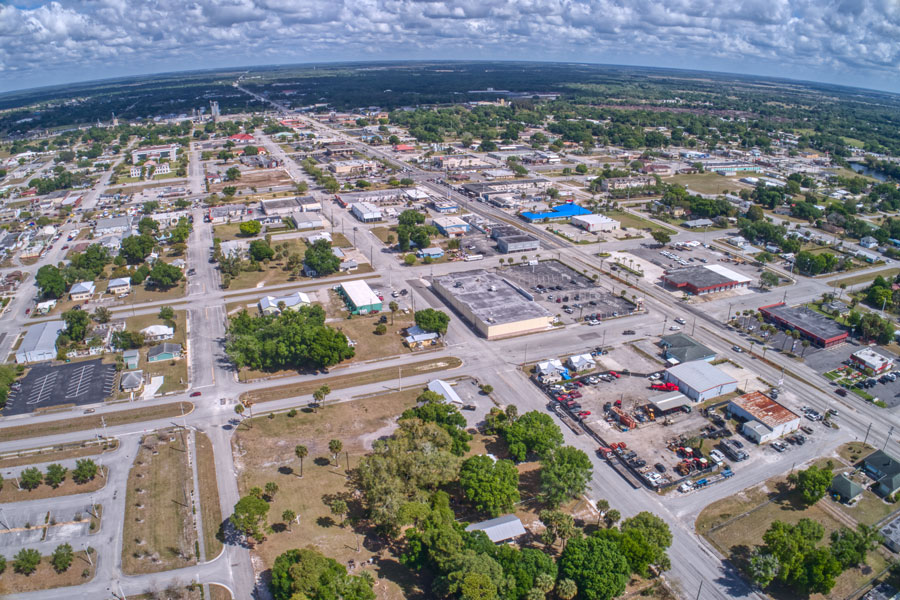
(845, 488)
(112, 225)
(885, 470)
(158, 333)
(131, 358)
(269, 305)
(132, 381)
(120, 285)
(501, 529)
(83, 290)
(582, 362)
(164, 351)
(868, 242)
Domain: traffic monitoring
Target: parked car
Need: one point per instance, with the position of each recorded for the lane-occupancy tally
(194, 394)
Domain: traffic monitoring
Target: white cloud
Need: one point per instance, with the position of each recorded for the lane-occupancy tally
(839, 40)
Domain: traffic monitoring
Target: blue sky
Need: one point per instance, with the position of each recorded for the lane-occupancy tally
(852, 42)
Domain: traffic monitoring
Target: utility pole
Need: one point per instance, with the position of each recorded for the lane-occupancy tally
(888, 437)
(867, 434)
(699, 590)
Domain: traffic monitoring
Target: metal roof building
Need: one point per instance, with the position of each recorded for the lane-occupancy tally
(439, 386)
(765, 419)
(699, 380)
(40, 342)
(500, 529)
(705, 279)
(360, 296)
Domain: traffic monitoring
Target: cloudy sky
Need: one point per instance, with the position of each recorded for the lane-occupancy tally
(854, 42)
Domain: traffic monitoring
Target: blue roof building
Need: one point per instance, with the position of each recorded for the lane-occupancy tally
(557, 213)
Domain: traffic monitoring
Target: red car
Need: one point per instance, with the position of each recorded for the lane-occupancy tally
(614, 374)
(194, 394)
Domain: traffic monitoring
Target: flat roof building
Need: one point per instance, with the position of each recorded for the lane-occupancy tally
(594, 223)
(669, 401)
(360, 297)
(705, 279)
(679, 348)
(494, 306)
(451, 226)
(557, 213)
(281, 207)
(818, 328)
(765, 419)
(518, 243)
(869, 359)
(169, 152)
(699, 380)
(40, 342)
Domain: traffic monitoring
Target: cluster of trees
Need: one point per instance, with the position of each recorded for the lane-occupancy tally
(792, 555)
(432, 320)
(870, 326)
(53, 281)
(250, 515)
(320, 258)
(322, 178)
(27, 560)
(259, 251)
(290, 340)
(697, 206)
(809, 263)
(411, 228)
(61, 180)
(880, 294)
(31, 478)
(309, 575)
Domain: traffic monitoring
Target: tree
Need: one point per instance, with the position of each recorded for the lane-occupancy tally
(812, 483)
(30, 478)
(77, 322)
(301, 452)
(127, 340)
(307, 574)
(136, 248)
(432, 408)
(26, 561)
(612, 517)
(61, 559)
(768, 279)
(409, 259)
(380, 329)
(320, 393)
(56, 474)
(532, 432)
(763, 567)
(85, 470)
(167, 313)
(232, 174)
(558, 525)
(652, 535)
(50, 281)
(490, 486)
(102, 314)
(335, 447)
(801, 566)
(487, 389)
(322, 259)
(432, 320)
(164, 276)
(249, 516)
(596, 566)
(565, 473)
(339, 509)
(661, 237)
(850, 546)
(566, 589)
(393, 307)
(271, 489)
(261, 251)
(250, 228)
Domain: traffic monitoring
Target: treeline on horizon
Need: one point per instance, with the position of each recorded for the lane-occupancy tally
(830, 112)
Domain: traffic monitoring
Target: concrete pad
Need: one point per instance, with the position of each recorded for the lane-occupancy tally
(151, 388)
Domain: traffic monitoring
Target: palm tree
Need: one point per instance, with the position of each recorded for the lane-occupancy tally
(301, 452)
(394, 307)
(288, 517)
(805, 344)
(787, 335)
(335, 447)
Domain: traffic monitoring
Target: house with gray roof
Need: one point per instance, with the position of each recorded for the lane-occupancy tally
(885, 470)
(680, 348)
(164, 351)
(501, 529)
(131, 381)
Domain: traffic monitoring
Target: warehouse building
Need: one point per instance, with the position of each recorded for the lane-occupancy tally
(595, 223)
(764, 419)
(700, 381)
(365, 212)
(705, 279)
(494, 306)
(451, 226)
(40, 342)
(817, 328)
(360, 297)
(518, 243)
(563, 212)
(280, 207)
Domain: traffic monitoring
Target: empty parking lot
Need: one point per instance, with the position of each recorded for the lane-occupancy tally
(75, 383)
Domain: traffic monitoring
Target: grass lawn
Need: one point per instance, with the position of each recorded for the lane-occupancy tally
(159, 532)
(265, 452)
(869, 509)
(46, 577)
(56, 453)
(710, 183)
(339, 240)
(273, 273)
(853, 452)
(630, 221)
(737, 538)
(174, 371)
(888, 274)
(217, 592)
(350, 380)
(12, 494)
(381, 232)
(208, 495)
(122, 417)
(369, 345)
(232, 231)
(141, 294)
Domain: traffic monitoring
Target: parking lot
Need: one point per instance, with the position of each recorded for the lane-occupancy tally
(44, 386)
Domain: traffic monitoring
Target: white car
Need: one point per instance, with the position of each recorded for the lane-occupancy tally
(674, 328)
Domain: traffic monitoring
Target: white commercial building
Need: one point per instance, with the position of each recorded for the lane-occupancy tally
(365, 212)
(439, 386)
(699, 380)
(40, 342)
(594, 223)
(870, 359)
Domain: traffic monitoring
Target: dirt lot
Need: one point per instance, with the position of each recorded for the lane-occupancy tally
(46, 577)
(265, 453)
(262, 180)
(159, 532)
